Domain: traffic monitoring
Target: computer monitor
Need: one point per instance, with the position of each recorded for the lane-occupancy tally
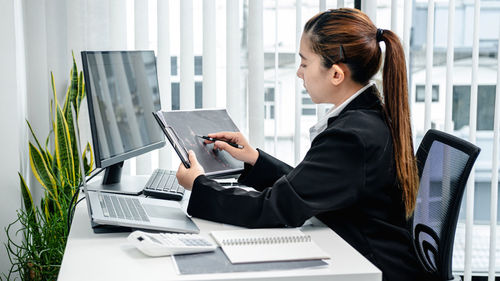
(122, 92)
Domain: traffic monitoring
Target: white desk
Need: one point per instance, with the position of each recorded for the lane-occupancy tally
(90, 256)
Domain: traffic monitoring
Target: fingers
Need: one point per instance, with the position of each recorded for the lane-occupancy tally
(241, 153)
(186, 177)
(220, 145)
(180, 171)
(230, 136)
(192, 157)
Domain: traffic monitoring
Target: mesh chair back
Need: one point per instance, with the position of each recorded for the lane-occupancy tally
(444, 164)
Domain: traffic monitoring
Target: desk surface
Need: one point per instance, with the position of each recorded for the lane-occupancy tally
(90, 256)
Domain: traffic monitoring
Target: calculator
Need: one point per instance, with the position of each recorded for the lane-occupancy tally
(166, 244)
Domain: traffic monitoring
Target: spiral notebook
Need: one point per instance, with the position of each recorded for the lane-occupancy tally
(269, 244)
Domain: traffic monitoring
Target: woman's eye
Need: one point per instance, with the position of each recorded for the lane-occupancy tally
(302, 65)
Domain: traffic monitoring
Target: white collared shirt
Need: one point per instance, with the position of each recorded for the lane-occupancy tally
(334, 111)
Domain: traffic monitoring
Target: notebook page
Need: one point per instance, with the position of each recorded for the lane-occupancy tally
(270, 244)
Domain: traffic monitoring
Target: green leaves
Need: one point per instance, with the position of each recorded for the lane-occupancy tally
(73, 92)
(40, 169)
(88, 164)
(58, 171)
(55, 165)
(67, 160)
(37, 257)
(27, 199)
(67, 147)
(64, 147)
(81, 93)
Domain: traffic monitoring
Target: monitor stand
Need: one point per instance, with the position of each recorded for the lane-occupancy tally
(114, 182)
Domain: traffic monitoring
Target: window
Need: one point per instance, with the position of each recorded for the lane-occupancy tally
(269, 103)
(173, 65)
(198, 95)
(198, 65)
(198, 84)
(175, 96)
(308, 111)
(420, 93)
(485, 107)
(269, 94)
(307, 101)
(308, 106)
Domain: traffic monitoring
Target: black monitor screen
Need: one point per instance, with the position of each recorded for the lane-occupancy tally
(122, 91)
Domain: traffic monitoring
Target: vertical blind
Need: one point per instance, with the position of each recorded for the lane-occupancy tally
(163, 65)
(494, 176)
(276, 78)
(209, 54)
(428, 65)
(472, 138)
(255, 73)
(186, 55)
(243, 94)
(233, 91)
(321, 108)
(141, 36)
(298, 99)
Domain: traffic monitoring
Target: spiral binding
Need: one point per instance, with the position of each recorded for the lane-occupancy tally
(266, 240)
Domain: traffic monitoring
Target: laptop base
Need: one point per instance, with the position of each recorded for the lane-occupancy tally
(99, 228)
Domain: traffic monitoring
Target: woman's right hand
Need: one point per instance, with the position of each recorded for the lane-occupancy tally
(247, 154)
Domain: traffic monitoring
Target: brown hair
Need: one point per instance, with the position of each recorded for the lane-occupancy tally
(348, 36)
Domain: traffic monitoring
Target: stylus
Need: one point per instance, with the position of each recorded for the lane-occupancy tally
(214, 139)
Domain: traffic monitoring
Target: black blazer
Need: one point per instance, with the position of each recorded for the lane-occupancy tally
(347, 180)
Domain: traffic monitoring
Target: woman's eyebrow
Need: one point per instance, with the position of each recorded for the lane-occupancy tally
(302, 56)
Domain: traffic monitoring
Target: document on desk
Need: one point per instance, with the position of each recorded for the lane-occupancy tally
(269, 244)
(217, 262)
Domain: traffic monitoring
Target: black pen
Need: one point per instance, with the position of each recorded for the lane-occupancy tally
(214, 139)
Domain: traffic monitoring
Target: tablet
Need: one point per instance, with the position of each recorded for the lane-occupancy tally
(181, 128)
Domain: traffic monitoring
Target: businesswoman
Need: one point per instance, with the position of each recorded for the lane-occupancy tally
(359, 177)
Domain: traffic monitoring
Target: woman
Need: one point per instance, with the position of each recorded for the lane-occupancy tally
(359, 177)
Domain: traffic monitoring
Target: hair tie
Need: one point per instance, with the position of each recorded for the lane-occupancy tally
(380, 32)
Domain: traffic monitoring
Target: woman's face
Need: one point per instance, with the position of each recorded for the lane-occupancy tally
(317, 79)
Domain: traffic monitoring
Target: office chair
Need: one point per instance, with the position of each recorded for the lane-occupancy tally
(444, 164)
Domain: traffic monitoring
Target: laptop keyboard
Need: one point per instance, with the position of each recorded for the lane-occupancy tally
(163, 184)
(122, 207)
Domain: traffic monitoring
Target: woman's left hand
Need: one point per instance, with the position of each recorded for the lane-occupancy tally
(186, 177)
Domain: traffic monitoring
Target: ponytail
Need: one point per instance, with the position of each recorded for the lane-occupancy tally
(398, 114)
(348, 36)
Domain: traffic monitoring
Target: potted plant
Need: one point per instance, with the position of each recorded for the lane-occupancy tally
(44, 227)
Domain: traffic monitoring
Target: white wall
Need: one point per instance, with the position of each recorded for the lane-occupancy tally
(37, 77)
(34, 42)
(10, 123)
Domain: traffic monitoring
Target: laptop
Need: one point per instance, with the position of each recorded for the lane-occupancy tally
(113, 209)
(120, 210)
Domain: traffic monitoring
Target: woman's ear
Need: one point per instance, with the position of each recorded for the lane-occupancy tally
(337, 75)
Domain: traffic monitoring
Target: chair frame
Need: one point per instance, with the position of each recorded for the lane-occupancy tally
(445, 253)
